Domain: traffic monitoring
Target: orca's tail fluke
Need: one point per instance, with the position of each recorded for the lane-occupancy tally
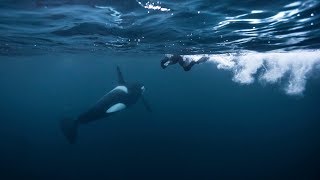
(69, 128)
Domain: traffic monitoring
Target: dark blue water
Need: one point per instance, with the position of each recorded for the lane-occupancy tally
(180, 26)
(250, 112)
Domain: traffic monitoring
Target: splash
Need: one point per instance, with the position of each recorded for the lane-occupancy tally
(293, 68)
(153, 6)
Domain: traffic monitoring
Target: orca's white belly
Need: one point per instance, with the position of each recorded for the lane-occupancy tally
(116, 107)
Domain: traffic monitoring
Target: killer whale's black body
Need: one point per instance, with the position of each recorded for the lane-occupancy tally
(121, 97)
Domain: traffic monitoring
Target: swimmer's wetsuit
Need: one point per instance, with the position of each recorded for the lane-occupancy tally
(186, 64)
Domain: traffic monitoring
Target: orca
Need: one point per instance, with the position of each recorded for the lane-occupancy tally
(121, 97)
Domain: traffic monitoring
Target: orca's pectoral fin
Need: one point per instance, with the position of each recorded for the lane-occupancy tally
(120, 77)
(69, 128)
(146, 104)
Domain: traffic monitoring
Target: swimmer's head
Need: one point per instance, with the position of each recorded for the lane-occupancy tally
(165, 62)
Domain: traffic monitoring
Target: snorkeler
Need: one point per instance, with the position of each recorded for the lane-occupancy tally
(184, 62)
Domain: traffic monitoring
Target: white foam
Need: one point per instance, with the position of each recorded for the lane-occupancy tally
(270, 67)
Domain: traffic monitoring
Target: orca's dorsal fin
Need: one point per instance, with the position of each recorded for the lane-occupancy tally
(120, 77)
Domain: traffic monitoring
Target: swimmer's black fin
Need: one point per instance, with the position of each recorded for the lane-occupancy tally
(120, 77)
(146, 104)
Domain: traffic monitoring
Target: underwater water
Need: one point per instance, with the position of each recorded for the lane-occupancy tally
(250, 112)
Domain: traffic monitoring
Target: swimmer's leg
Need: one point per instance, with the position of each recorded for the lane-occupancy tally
(202, 60)
(189, 66)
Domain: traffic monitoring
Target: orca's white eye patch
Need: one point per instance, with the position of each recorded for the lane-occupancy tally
(121, 88)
